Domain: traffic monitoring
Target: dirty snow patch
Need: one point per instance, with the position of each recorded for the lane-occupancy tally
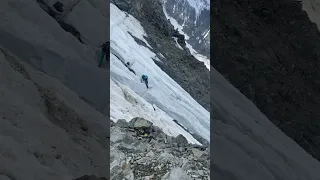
(177, 44)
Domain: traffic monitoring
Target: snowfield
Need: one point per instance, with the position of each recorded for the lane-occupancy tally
(127, 104)
(164, 101)
(248, 146)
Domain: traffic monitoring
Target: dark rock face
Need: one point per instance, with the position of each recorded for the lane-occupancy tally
(269, 50)
(181, 38)
(194, 27)
(182, 67)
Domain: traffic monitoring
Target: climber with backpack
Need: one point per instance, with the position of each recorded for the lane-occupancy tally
(144, 78)
(104, 52)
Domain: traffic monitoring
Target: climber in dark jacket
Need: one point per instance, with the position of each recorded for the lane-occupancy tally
(104, 52)
(144, 78)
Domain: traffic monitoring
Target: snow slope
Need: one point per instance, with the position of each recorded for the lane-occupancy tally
(198, 56)
(312, 7)
(173, 101)
(247, 145)
(126, 104)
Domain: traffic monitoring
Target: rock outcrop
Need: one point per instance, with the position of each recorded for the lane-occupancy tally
(154, 155)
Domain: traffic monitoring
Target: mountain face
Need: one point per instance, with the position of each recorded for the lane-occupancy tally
(167, 65)
(194, 17)
(273, 49)
(182, 67)
(54, 115)
(141, 36)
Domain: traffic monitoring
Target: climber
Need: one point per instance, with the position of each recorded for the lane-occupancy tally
(144, 78)
(104, 52)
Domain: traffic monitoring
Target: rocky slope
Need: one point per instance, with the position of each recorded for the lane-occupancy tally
(182, 67)
(155, 156)
(269, 50)
(195, 21)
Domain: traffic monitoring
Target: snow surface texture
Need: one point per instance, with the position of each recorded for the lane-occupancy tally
(198, 56)
(255, 146)
(130, 98)
(33, 144)
(29, 145)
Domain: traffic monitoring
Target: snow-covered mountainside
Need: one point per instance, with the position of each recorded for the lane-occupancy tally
(247, 146)
(273, 50)
(192, 18)
(54, 101)
(166, 104)
(54, 121)
(165, 100)
(275, 61)
(179, 64)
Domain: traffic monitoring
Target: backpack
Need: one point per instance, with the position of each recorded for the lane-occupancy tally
(144, 77)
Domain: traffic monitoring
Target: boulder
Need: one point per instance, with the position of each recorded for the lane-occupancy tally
(140, 123)
(180, 140)
(122, 123)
